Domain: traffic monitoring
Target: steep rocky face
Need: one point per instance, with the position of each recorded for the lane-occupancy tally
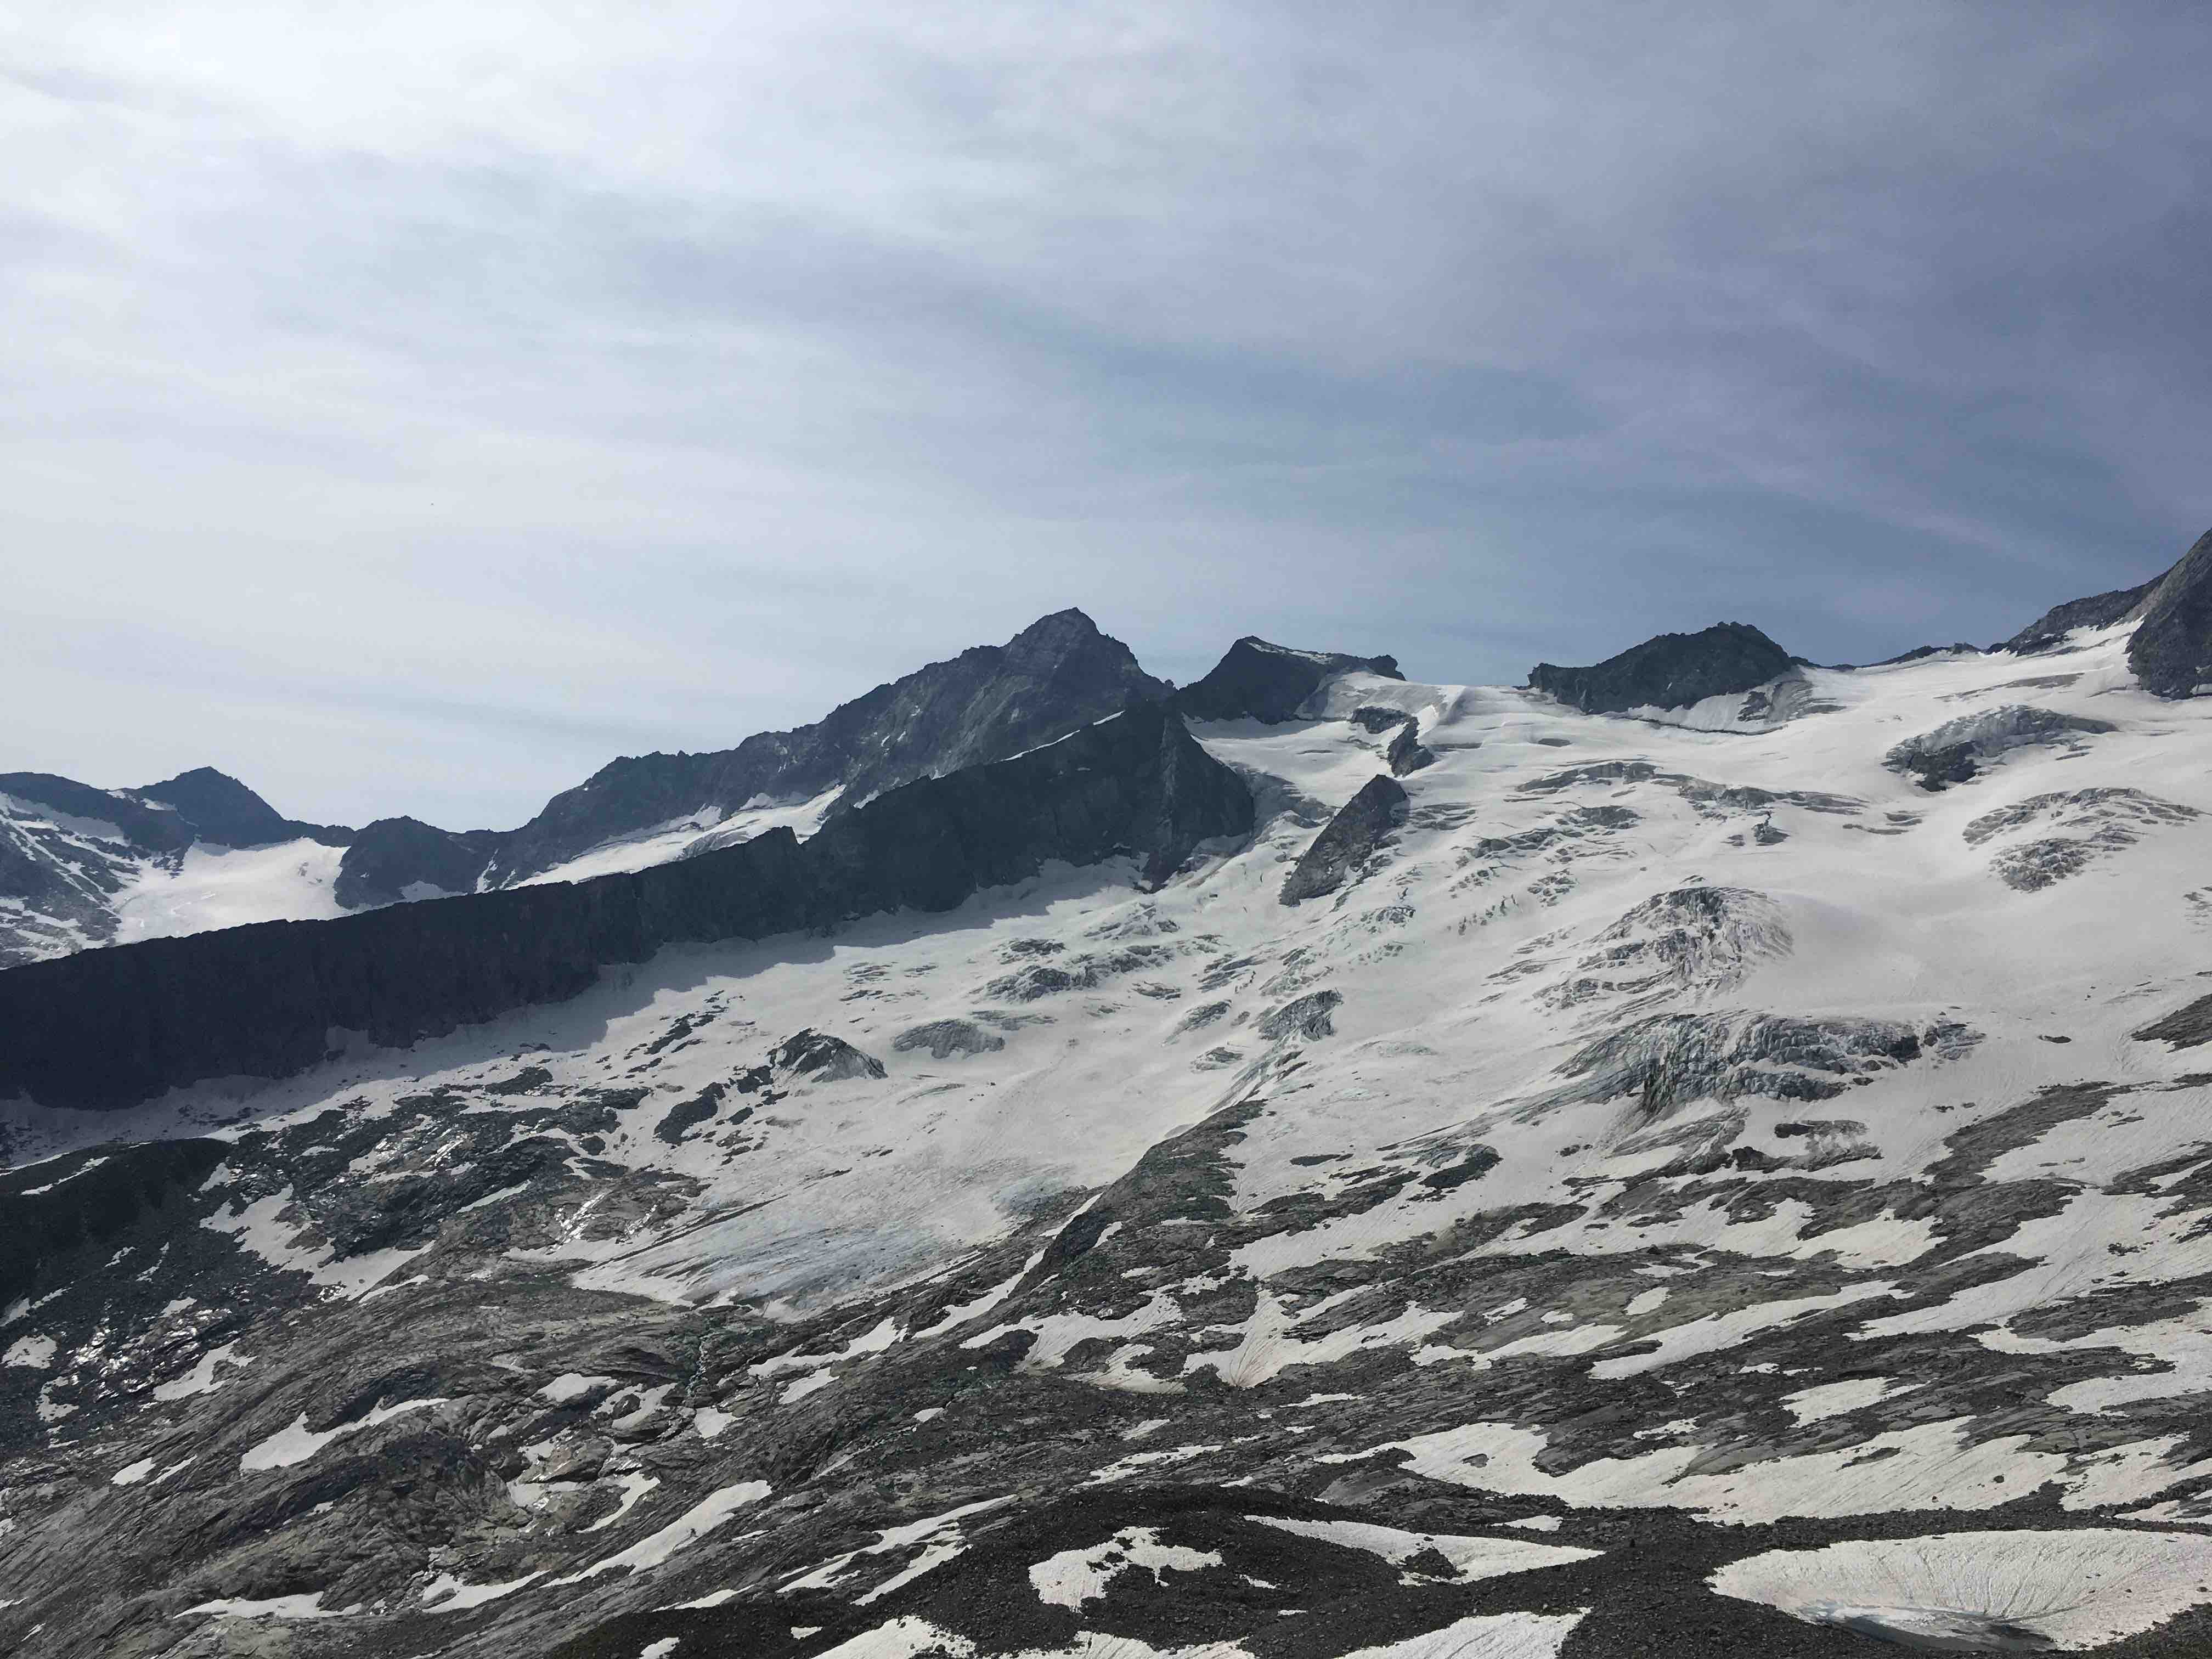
(2170, 651)
(1670, 672)
(1360, 827)
(2098, 611)
(1055, 675)
(71, 856)
(219, 808)
(1258, 681)
(107, 1028)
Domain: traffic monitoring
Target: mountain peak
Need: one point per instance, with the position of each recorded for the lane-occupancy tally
(1670, 670)
(221, 809)
(2171, 650)
(1257, 679)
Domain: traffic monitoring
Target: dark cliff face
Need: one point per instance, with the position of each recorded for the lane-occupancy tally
(1349, 840)
(221, 809)
(1671, 671)
(105, 1029)
(1054, 676)
(1259, 681)
(2171, 650)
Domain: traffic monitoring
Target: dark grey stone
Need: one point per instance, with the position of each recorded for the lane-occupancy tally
(2172, 649)
(108, 1028)
(1670, 672)
(944, 1038)
(1349, 840)
(1954, 751)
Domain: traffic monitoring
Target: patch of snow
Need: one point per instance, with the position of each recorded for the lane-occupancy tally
(2065, 1589)
(708, 1514)
(1071, 1577)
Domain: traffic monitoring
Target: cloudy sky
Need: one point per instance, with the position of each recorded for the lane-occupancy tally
(408, 408)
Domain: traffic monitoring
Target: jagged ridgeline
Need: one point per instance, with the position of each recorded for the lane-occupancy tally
(1703, 1153)
(106, 1028)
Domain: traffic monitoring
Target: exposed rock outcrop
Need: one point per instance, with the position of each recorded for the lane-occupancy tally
(1348, 840)
(1405, 753)
(986, 704)
(2098, 611)
(1670, 672)
(2170, 651)
(1669, 1059)
(1259, 681)
(1955, 752)
(105, 1028)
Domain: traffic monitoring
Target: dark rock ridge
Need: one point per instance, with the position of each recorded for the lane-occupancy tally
(2172, 649)
(1671, 671)
(986, 704)
(2098, 611)
(1348, 840)
(221, 809)
(1259, 681)
(105, 1029)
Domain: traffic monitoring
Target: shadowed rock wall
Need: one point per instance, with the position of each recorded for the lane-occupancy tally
(105, 1029)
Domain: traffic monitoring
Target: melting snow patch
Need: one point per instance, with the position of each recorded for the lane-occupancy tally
(35, 1351)
(295, 1442)
(940, 1535)
(1074, 1576)
(902, 1638)
(571, 1385)
(1498, 1636)
(660, 1649)
(275, 1607)
(1826, 1399)
(131, 1473)
(1995, 1590)
(634, 1486)
(1472, 1558)
(201, 1379)
(446, 1594)
(695, 1524)
(257, 1228)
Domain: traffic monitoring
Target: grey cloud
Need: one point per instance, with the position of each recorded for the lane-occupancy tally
(682, 397)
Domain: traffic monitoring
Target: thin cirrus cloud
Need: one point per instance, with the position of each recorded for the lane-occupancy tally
(409, 414)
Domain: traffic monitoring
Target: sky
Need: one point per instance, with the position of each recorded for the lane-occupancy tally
(408, 409)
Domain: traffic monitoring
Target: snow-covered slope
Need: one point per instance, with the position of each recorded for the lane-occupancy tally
(82, 868)
(1736, 1190)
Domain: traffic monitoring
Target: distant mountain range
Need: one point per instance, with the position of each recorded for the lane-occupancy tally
(82, 868)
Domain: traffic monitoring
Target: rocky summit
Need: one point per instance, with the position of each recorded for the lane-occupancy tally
(1705, 1154)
